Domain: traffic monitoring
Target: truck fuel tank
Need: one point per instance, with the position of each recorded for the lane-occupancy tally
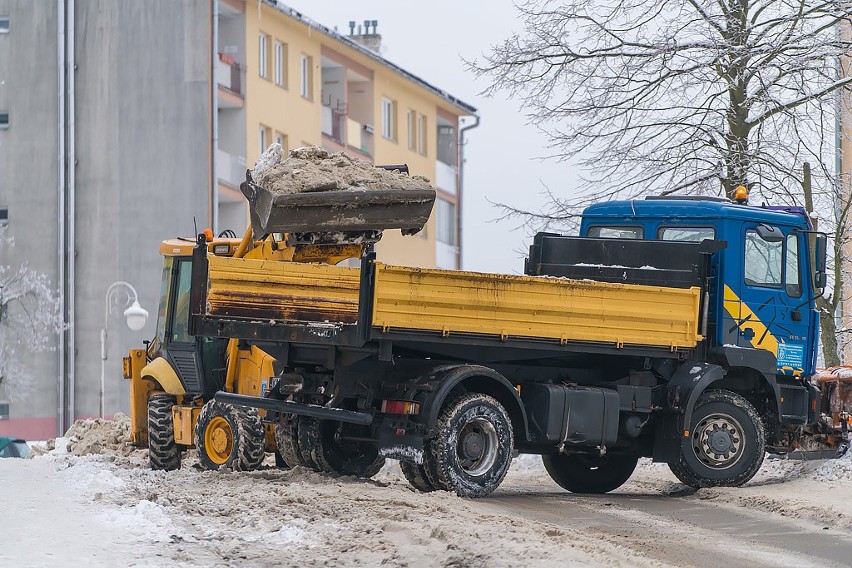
(573, 415)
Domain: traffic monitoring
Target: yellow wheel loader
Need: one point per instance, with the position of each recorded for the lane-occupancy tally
(173, 380)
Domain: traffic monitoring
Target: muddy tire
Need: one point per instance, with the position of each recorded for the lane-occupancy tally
(163, 452)
(287, 440)
(415, 473)
(229, 436)
(472, 448)
(726, 444)
(580, 473)
(304, 441)
(331, 454)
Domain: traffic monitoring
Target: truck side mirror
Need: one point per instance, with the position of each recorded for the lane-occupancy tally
(820, 249)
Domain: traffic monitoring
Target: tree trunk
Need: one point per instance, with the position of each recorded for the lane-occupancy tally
(828, 333)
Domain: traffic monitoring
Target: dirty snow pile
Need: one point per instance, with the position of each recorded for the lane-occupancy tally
(92, 436)
(312, 168)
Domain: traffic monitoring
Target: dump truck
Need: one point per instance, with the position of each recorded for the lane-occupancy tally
(678, 329)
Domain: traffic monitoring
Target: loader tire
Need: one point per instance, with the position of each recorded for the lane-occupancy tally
(472, 448)
(163, 452)
(726, 443)
(416, 475)
(332, 454)
(229, 436)
(287, 440)
(579, 473)
(304, 442)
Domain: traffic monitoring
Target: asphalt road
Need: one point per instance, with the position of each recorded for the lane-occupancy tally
(681, 530)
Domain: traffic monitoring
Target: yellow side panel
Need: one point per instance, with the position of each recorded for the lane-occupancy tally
(523, 306)
(249, 288)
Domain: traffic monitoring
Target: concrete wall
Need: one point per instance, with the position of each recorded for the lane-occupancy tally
(143, 150)
(29, 180)
(143, 141)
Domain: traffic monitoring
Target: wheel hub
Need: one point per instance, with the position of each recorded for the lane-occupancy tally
(477, 446)
(219, 440)
(718, 441)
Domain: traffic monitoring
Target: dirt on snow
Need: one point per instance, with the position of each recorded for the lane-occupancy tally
(312, 168)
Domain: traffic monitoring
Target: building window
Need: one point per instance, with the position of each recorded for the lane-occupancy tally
(388, 118)
(4, 216)
(263, 139)
(421, 135)
(262, 61)
(412, 130)
(4, 120)
(306, 76)
(282, 140)
(4, 410)
(280, 63)
(445, 221)
(4, 24)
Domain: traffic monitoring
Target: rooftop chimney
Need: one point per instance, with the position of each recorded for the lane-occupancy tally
(370, 37)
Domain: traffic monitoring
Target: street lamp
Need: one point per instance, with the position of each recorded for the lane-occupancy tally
(120, 294)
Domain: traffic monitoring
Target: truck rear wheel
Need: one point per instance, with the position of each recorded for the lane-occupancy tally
(334, 454)
(163, 452)
(229, 436)
(580, 473)
(726, 443)
(287, 440)
(472, 449)
(415, 474)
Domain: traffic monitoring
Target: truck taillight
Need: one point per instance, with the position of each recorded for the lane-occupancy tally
(400, 407)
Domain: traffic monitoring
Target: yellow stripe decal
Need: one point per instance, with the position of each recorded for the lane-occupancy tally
(747, 319)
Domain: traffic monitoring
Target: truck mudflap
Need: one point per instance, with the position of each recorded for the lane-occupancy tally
(298, 408)
(401, 444)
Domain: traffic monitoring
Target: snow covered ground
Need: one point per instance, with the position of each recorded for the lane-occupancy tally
(108, 509)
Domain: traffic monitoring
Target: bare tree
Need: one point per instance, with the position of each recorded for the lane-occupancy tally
(29, 320)
(682, 96)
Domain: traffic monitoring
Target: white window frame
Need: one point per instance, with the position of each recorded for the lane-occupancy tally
(262, 67)
(388, 118)
(305, 76)
(261, 138)
(421, 135)
(279, 61)
(445, 222)
(281, 138)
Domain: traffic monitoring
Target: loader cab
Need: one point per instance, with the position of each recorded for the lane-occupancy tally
(198, 362)
(763, 284)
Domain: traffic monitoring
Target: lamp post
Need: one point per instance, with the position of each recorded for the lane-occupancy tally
(120, 294)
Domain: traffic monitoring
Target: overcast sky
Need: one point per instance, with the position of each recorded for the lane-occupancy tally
(430, 39)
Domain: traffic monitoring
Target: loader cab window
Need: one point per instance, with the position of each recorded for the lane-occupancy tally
(625, 232)
(686, 234)
(165, 286)
(180, 319)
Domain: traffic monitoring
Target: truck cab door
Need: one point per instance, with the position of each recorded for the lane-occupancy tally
(765, 302)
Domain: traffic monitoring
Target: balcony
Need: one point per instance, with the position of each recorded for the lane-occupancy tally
(446, 177)
(229, 78)
(230, 169)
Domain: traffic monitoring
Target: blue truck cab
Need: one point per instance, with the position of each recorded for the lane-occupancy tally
(763, 325)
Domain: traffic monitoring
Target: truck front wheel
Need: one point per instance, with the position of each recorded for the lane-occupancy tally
(229, 436)
(580, 473)
(726, 442)
(163, 452)
(472, 448)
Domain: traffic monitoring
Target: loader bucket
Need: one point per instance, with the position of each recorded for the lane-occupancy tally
(345, 210)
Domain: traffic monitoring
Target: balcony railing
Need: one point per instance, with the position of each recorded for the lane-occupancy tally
(230, 169)
(229, 74)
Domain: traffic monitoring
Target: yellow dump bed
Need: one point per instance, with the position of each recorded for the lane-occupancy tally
(453, 302)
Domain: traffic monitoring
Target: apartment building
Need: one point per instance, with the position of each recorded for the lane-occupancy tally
(285, 78)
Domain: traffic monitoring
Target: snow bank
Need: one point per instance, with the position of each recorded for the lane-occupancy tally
(91, 436)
